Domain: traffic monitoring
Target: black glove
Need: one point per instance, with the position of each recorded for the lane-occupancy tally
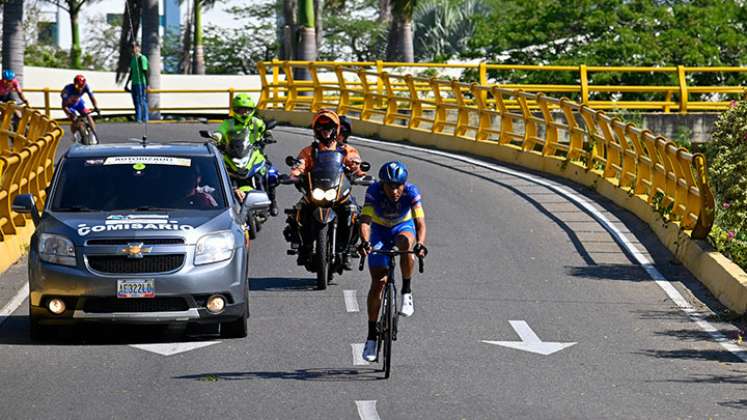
(419, 249)
(268, 138)
(364, 248)
(287, 179)
(97, 111)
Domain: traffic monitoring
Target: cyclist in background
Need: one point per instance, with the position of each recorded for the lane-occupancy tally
(392, 213)
(9, 85)
(72, 101)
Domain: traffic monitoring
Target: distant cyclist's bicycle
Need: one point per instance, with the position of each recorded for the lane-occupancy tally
(386, 327)
(82, 130)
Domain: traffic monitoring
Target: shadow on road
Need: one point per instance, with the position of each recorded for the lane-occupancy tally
(722, 356)
(627, 272)
(314, 374)
(15, 331)
(281, 284)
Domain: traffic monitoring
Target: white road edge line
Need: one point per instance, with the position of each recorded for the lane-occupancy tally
(351, 302)
(367, 409)
(645, 262)
(14, 303)
(358, 354)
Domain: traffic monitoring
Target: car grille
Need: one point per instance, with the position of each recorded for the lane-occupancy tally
(108, 305)
(145, 241)
(122, 264)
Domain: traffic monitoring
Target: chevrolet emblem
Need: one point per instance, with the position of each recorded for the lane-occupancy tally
(136, 250)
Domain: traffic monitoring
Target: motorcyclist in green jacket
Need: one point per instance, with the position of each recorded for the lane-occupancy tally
(245, 121)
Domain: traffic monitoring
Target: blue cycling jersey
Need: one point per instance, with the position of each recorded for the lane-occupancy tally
(70, 95)
(386, 212)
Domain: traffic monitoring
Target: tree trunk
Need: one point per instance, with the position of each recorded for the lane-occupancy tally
(290, 30)
(198, 56)
(75, 47)
(13, 42)
(399, 44)
(307, 46)
(385, 11)
(152, 50)
(185, 61)
(131, 15)
(318, 23)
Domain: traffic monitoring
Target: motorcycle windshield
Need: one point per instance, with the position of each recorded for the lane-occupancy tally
(239, 144)
(327, 170)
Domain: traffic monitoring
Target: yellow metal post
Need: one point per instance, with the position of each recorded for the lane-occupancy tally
(275, 80)
(584, 77)
(379, 82)
(47, 109)
(683, 89)
(483, 70)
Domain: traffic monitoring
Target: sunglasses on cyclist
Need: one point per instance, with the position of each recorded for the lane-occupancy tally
(394, 185)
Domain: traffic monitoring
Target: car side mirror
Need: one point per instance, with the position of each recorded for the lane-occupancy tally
(269, 125)
(365, 166)
(26, 204)
(257, 200)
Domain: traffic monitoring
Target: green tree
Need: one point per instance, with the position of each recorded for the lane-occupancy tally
(399, 45)
(352, 31)
(443, 28)
(72, 7)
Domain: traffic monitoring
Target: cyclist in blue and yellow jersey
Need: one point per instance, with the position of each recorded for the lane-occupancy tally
(72, 100)
(392, 213)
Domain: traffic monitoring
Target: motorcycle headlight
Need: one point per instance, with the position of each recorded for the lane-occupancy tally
(214, 247)
(56, 249)
(330, 195)
(317, 194)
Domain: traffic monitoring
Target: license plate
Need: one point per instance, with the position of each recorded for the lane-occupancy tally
(136, 289)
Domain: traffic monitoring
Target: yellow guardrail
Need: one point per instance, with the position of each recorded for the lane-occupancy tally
(651, 167)
(674, 97)
(215, 107)
(27, 153)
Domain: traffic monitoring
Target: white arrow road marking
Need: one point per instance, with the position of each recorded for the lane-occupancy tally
(14, 303)
(367, 410)
(170, 349)
(358, 354)
(529, 341)
(351, 302)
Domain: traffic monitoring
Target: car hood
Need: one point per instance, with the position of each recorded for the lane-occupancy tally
(187, 224)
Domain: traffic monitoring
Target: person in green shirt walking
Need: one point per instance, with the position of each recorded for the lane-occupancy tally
(139, 77)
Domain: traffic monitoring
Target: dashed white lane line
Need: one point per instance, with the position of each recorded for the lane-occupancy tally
(358, 354)
(351, 301)
(14, 303)
(367, 410)
(698, 317)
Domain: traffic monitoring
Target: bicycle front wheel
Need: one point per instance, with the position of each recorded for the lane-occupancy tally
(387, 323)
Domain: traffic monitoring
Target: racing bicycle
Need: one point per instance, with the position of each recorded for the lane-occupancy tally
(82, 130)
(386, 327)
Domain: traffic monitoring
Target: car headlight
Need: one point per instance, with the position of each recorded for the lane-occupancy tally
(56, 249)
(214, 247)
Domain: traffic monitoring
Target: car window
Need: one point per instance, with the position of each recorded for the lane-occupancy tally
(138, 182)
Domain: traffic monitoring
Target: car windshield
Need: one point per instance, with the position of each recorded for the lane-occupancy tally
(138, 183)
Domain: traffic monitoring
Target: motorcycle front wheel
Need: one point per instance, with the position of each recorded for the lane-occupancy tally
(322, 257)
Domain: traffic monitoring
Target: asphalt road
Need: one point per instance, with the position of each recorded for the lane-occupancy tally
(502, 248)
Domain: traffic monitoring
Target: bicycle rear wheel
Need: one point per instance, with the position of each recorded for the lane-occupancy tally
(387, 329)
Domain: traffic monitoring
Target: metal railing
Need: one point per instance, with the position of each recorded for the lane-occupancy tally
(651, 167)
(27, 152)
(675, 97)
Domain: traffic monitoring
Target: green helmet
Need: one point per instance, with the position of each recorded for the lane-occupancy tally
(242, 100)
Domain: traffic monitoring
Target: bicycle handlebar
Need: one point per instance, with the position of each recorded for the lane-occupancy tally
(391, 253)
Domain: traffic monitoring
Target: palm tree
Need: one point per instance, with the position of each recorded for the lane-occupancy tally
(306, 50)
(444, 27)
(152, 50)
(130, 28)
(198, 54)
(399, 45)
(73, 8)
(13, 43)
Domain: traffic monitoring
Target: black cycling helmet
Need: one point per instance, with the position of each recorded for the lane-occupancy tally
(393, 172)
(346, 128)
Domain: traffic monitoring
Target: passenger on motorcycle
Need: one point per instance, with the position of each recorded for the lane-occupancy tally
(327, 130)
(72, 101)
(392, 213)
(236, 134)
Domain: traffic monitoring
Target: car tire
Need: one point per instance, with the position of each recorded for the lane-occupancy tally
(237, 328)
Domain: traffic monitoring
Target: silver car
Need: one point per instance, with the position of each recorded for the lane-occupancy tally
(140, 234)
